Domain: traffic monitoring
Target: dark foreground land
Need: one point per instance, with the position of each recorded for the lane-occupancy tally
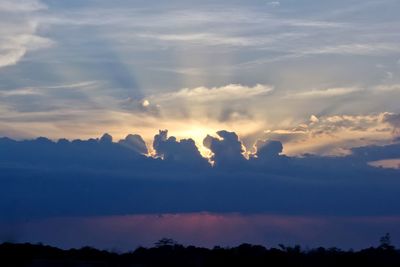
(172, 254)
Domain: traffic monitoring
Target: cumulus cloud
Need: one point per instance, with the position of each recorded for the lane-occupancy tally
(170, 149)
(137, 184)
(226, 148)
(268, 149)
(135, 142)
(106, 139)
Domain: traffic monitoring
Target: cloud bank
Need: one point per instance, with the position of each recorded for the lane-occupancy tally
(99, 177)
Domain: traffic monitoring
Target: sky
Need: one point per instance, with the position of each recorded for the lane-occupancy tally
(312, 74)
(266, 102)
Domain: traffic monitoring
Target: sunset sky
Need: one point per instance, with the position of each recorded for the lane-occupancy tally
(296, 77)
(314, 74)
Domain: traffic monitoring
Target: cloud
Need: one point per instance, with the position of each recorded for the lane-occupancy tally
(330, 92)
(209, 39)
(135, 142)
(231, 114)
(201, 109)
(394, 121)
(19, 31)
(48, 89)
(274, 3)
(355, 49)
(193, 113)
(158, 28)
(21, 5)
(71, 178)
(13, 48)
(20, 92)
(214, 107)
(227, 149)
(386, 163)
(387, 88)
(334, 134)
(224, 93)
(314, 119)
(268, 149)
(106, 139)
(183, 151)
(145, 103)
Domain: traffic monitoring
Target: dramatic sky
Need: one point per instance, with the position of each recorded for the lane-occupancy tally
(307, 92)
(81, 68)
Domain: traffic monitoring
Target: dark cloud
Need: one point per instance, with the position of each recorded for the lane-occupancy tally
(135, 142)
(106, 139)
(374, 153)
(43, 153)
(43, 178)
(268, 149)
(227, 151)
(184, 151)
(268, 157)
(394, 121)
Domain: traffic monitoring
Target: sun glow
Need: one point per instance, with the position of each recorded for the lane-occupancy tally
(198, 133)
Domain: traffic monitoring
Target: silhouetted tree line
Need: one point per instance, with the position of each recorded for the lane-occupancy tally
(167, 252)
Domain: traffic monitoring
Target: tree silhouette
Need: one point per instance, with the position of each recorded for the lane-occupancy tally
(168, 253)
(164, 242)
(386, 242)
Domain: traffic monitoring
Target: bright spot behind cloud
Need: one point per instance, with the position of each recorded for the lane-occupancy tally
(145, 103)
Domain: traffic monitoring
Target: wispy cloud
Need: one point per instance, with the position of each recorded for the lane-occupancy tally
(330, 92)
(208, 39)
(19, 31)
(356, 49)
(43, 90)
(274, 3)
(13, 48)
(336, 134)
(223, 93)
(21, 5)
(387, 88)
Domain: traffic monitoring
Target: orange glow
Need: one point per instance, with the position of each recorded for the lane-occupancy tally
(386, 163)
